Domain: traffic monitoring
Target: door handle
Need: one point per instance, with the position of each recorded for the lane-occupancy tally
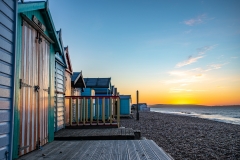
(36, 88)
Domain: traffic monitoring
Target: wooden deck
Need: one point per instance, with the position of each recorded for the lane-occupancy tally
(94, 125)
(95, 134)
(99, 150)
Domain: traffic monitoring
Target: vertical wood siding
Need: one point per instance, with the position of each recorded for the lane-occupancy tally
(33, 105)
(67, 93)
(7, 56)
(59, 97)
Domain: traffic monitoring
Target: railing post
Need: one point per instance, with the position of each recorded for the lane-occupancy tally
(83, 113)
(118, 111)
(77, 120)
(70, 111)
(110, 110)
(103, 110)
(97, 109)
(86, 105)
(80, 109)
(91, 110)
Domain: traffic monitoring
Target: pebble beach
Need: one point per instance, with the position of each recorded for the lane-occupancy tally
(185, 137)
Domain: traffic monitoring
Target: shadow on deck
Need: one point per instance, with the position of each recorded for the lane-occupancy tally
(96, 134)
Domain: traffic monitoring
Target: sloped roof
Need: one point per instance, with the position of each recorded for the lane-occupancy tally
(67, 57)
(97, 82)
(77, 80)
(44, 7)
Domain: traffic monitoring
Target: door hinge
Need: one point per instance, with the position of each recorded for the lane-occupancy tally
(47, 90)
(22, 84)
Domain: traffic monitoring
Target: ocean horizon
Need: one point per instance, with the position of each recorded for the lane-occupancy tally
(227, 114)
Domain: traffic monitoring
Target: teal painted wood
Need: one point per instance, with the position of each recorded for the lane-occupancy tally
(7, 76)
(43, 17)
(125, 105)
(17, 93)
(31, 6)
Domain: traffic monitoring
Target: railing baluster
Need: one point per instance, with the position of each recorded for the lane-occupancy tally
(110, 110)
(91, 110)
(86, 110)
(70, 111)
(97, 109)
(80, 109)
(83, 113)
(77, 120)
(103, 110)
(118, 111)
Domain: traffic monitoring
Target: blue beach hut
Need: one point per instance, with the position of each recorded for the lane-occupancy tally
(102, 87)
(125, 105)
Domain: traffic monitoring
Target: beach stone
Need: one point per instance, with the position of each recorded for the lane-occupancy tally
(185, 137)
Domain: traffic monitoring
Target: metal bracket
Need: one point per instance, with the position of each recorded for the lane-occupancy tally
(22, 84)
(47, 90)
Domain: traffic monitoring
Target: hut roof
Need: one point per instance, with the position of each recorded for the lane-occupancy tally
(77, 80)
(98, 82)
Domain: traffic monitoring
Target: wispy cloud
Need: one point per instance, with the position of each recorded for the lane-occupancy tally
(190, 60)
(194, 21)
(215, 66)
(193, 59)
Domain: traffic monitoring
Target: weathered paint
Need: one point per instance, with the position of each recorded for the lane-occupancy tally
(46, 100)
(7, 69)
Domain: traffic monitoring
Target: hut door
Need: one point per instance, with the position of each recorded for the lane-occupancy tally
(33, 100)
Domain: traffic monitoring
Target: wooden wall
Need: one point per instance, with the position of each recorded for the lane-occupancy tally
(7, 66)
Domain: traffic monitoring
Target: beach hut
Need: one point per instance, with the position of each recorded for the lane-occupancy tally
(77, 87)
(60, 86)
(102, 87)
(125, 105)
(8, 10)
(37, 45)
(68, 82)
(141, 107)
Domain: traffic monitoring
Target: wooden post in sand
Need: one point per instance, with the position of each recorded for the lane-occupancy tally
(137, 107)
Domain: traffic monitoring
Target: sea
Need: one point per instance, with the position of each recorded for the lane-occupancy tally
(226, 114)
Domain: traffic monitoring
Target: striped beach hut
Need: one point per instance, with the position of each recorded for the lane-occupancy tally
(37, 45)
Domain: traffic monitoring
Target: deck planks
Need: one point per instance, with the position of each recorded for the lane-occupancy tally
(99, 150)
(95, 134)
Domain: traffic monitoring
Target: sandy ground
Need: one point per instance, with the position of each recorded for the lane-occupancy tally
(186, 137)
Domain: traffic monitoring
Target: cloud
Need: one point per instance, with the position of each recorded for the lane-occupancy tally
(214, 66)
(204, 49)
(196, 20)
(191, 59)
(188, 31)
(234, 57)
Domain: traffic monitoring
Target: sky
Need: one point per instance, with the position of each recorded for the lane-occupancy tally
(172, 52)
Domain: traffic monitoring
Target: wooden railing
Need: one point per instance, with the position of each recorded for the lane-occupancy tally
(94, 110)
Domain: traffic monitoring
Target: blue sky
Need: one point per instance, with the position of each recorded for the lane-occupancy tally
(171, 51)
